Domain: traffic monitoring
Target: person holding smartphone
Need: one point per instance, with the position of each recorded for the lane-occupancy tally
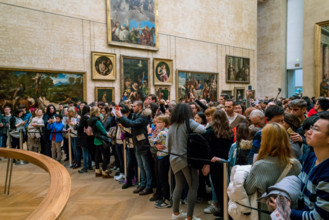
(16, 124)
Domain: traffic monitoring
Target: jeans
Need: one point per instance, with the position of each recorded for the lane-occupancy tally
(3, 139)
(76, 151)
(132, 164)
(144, 163)
(119, 152)
(163, 166)
(85, 141)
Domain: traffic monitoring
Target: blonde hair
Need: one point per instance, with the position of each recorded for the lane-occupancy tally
(94, 111)
(275, 143)
(72, 110)
(210, 111)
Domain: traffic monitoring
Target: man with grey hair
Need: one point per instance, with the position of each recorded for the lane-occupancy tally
(257, 119)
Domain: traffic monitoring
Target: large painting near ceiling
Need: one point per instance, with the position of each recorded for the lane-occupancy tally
(133, 23)
(197, 85)
(135, 78)
(37, 88)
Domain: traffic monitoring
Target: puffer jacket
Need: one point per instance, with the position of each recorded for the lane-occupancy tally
(238, 194)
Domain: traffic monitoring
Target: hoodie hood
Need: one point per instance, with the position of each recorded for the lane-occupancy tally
(245, 144)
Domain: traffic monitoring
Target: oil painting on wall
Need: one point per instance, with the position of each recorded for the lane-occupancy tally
(163, 93)
(104, 94)
(237, 69)
(133, 23)
(162, 70)
(239, 94)
(197, 85)
(103, 66)
(37, 88)
(135, 81)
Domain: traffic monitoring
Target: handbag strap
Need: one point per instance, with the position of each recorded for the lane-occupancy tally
(286, 170)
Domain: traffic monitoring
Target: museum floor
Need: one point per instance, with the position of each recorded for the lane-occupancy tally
(91, 198)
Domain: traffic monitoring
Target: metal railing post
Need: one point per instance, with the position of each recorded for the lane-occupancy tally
(225, 200)
(125, 157)
(70, 147)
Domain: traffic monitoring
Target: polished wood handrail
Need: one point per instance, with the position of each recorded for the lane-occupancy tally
(60, 183)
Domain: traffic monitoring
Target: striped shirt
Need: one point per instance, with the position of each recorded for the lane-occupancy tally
(315, 189)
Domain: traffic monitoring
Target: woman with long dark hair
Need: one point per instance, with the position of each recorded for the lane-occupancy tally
(46, 144)
(220, 138)
(85, 140)
(177, 144)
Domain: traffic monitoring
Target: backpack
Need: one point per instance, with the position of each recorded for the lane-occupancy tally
(197, 148)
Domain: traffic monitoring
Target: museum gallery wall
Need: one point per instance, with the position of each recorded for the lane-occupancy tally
(122, 47)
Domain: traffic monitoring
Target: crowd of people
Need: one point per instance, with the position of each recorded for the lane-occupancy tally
(267, 143)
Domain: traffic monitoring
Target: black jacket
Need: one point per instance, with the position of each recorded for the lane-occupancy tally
(138, 125)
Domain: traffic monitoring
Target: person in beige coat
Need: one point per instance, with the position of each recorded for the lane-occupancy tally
(34, 135)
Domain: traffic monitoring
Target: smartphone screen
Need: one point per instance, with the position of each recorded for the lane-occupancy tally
(249, 87)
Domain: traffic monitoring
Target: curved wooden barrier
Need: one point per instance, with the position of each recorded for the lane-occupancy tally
(60, 183)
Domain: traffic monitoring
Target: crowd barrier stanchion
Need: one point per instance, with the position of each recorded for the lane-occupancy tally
(125, 157)
(70, 147)
(225, 200)
(21, 138)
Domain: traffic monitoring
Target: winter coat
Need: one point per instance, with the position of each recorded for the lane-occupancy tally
(237, 194)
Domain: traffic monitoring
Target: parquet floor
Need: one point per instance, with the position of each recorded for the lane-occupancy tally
(91, 198)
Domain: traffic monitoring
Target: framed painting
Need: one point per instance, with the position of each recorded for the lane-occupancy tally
(321, 59)
(237, 69)
(103, 66)
(104, 94)
(253, 96)
(135, 78)
(162, 72)
(239, 94)
(163, 92)
(133, 23)
(196, 85)
(39, 88)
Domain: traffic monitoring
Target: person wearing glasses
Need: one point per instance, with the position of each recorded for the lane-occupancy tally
(314, 198)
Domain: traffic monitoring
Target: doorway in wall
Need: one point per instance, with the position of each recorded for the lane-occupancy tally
(294, 82)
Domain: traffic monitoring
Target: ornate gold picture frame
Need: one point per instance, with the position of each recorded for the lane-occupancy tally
(105, 94)
(321, 63)
(239, 94)
(103, 66)
(135, 75)
(237, 69)
(39, 88)
(133, 24)
(200, 85)
(163, 71)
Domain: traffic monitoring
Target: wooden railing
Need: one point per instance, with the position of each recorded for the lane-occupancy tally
(60, 183)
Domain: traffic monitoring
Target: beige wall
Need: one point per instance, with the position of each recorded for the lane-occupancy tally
(314, 11)
(60, 35)
(271, 47)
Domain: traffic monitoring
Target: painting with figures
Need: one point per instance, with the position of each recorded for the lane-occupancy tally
(37, 88)
(237, 69)
(135, 81)
(197, 85)
(133, 23)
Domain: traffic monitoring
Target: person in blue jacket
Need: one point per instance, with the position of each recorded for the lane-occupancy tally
(56, 136)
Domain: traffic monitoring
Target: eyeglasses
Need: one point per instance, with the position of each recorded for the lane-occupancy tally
(315, 128)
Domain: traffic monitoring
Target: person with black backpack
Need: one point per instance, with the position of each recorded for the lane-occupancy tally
(178, 136)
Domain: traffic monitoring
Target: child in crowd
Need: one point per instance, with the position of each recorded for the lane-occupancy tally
(56, 137)
(163, 164)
